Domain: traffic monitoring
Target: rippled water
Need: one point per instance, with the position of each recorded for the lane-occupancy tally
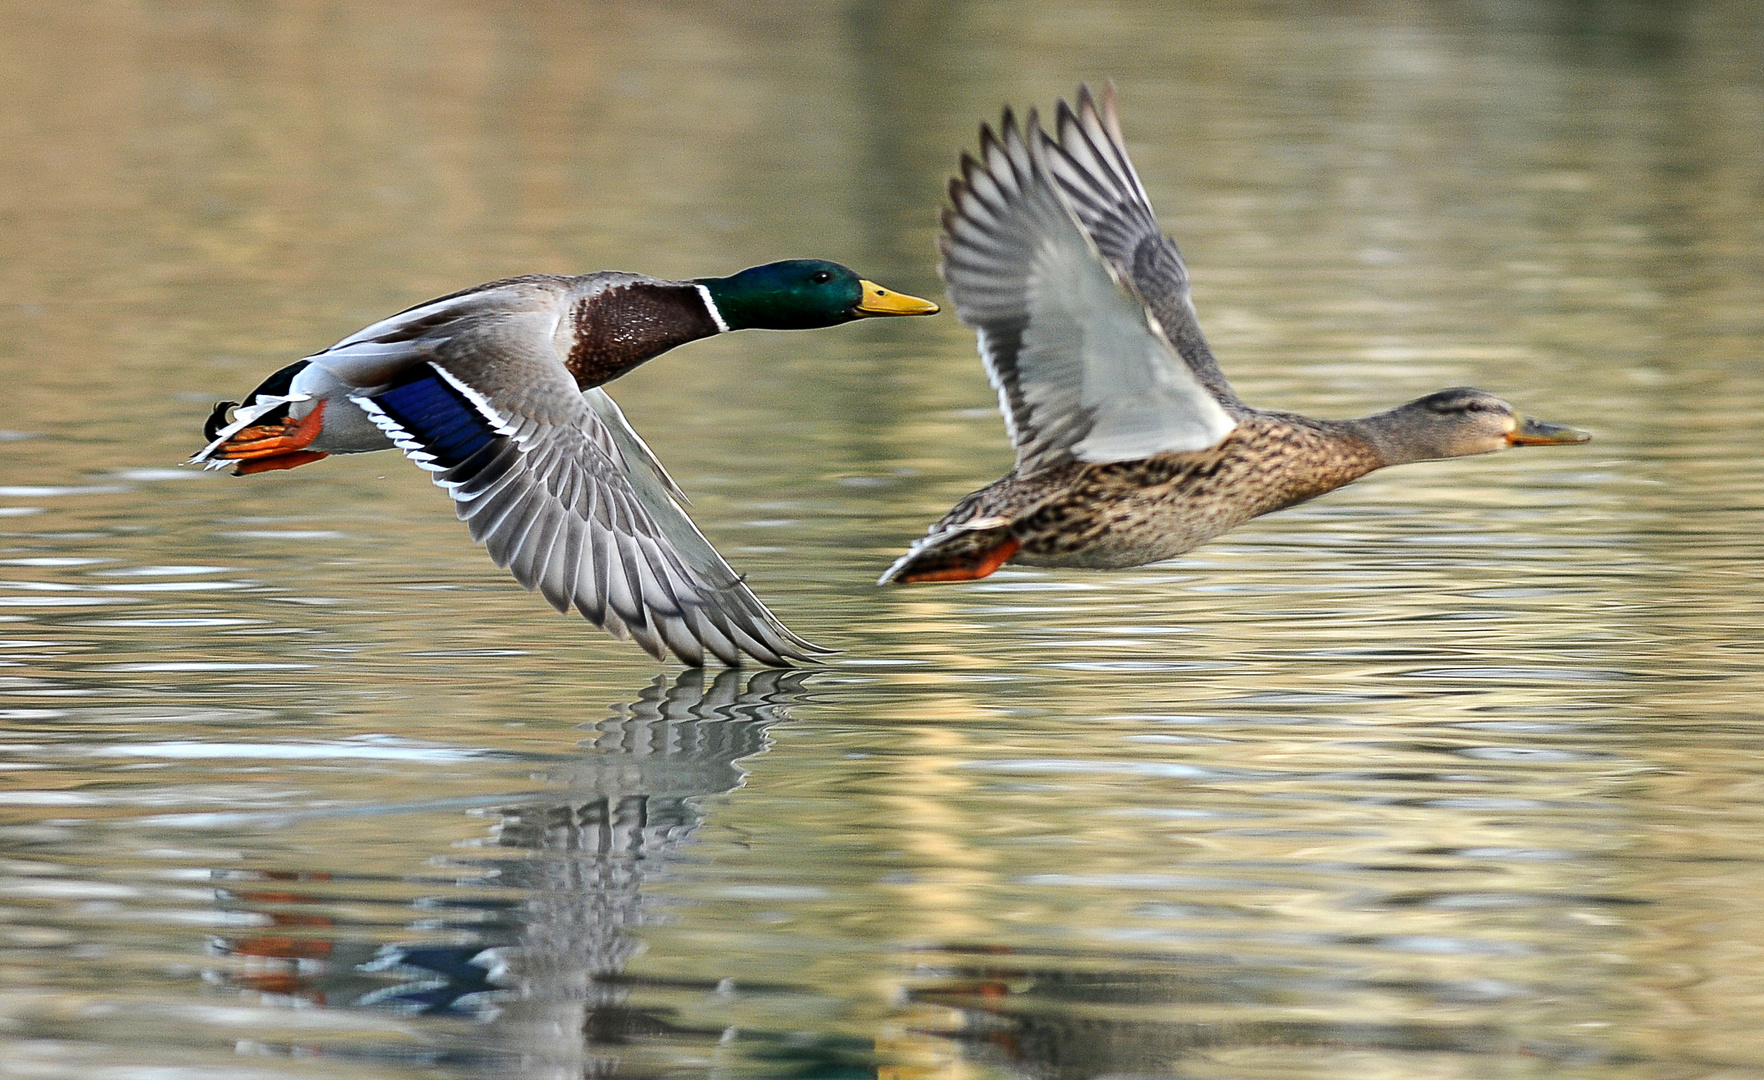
(1452, 773)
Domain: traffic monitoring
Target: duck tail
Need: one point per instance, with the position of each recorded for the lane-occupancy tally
(259, 435)
(965, 551)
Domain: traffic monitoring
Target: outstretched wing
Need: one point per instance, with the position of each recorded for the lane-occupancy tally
(1083, 371)
(1094, 173)
(561, 491)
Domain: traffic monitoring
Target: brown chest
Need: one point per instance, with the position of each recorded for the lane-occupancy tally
(621, 327)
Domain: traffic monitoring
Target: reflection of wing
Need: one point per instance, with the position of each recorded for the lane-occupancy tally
(577, 859)
(681, 738)
(1082, 372)
(1102, 190)
(561, 491)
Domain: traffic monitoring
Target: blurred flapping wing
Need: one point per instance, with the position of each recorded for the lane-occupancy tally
(1091, 167)
(1083, 371)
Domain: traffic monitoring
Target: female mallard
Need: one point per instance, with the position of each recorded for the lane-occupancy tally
(1131, 446)
(495, 391)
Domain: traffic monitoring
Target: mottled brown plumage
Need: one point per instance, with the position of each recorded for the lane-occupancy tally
(1131, 445)
(1115, 514)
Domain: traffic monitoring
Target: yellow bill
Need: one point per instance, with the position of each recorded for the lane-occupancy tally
(880, 301)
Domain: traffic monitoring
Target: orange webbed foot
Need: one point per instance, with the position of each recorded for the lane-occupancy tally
(279, 445)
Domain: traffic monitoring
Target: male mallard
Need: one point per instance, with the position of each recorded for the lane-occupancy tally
(1131, 446)
(495, 391)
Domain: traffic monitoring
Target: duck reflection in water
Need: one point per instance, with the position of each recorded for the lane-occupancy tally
(544, 966)
(1040, 1014)
(535, 943)
(583, 861)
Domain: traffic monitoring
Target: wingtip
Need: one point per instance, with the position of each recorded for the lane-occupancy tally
(1088, 100)
(968, 166)
(784, 659)
(1065, 113)
(814, 653)
(786, 646)
(991, 140)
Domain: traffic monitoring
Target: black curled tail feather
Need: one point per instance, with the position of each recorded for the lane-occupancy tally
(218, 419)
(279, 383)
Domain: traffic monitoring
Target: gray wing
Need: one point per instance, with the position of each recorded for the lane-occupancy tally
(1091, 167)
(1083, 372)
(563, 493)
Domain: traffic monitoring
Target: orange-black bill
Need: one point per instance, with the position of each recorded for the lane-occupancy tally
(880, 301)
(1537, 433)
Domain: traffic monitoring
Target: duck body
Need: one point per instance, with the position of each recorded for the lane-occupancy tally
(599, 325)
(1113, 515)
(1132, 447)
(516, 332)
(496, 392)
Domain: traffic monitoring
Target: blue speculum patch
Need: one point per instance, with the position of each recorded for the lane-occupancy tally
(439, 417)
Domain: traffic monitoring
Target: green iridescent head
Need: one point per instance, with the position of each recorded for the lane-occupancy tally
(802, 294)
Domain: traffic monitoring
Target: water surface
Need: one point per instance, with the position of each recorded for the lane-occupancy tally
(1452, 773)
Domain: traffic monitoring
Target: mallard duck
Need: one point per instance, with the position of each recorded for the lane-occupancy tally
(1131, 445)
(496, 392)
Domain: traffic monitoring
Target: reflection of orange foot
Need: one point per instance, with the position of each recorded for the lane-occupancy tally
(281, 445)
(279, 461)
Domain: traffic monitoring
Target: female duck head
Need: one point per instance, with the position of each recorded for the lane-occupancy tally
(802, 294)
(1458, 423)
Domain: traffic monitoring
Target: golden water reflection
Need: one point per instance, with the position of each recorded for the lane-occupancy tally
(1450, 773)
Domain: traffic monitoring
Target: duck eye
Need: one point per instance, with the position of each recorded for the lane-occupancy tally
(821, 277)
